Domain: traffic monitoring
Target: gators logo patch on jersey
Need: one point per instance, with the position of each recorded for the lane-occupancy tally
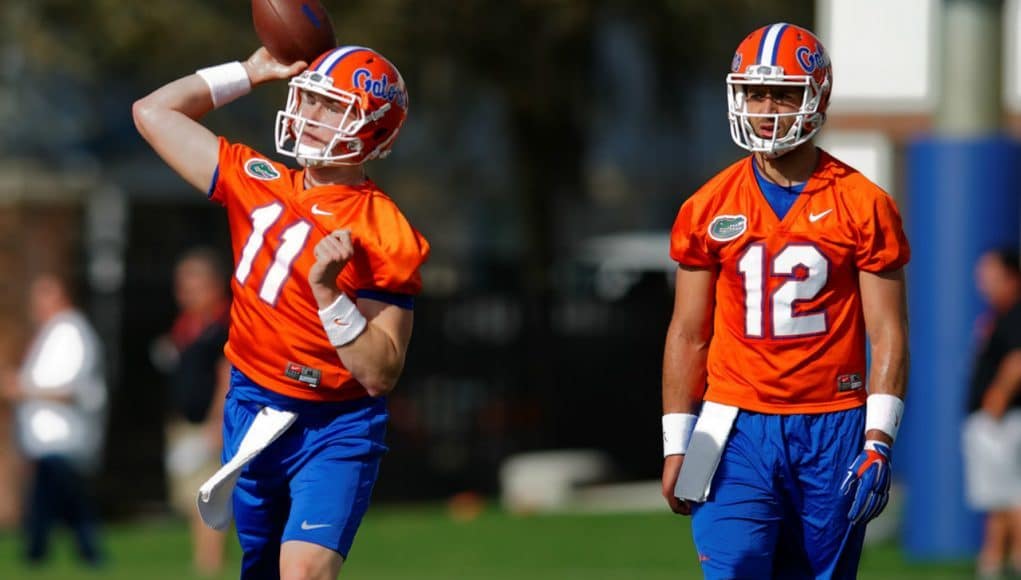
(724, 228)
(261, 169)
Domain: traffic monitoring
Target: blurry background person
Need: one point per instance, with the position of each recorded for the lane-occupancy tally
(992, 432)
(60, 402)
(191, 355)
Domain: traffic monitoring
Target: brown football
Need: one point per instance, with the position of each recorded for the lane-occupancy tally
(293, 30)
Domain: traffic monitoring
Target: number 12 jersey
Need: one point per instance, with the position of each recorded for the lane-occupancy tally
(788, 327)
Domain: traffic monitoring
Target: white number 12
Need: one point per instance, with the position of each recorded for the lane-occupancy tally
(785, 323)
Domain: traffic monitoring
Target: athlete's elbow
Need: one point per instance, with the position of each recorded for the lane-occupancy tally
(692, 341)
(378, 387)
(142, 113)
(381, 381)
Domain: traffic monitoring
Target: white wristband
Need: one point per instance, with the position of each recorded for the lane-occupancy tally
(883, 412)
(342, 321)
(226, 82)
(677, 428)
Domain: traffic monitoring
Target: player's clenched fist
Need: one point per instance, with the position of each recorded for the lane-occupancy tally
(332, 253)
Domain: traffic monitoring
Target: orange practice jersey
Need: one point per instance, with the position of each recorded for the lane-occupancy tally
(788, 329)
(276, 337)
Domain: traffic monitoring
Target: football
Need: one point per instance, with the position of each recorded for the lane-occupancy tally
(293, 30)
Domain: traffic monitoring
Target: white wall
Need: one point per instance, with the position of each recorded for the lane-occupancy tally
(882, 52)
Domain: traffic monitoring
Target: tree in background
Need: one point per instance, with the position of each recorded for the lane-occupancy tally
(534, 56)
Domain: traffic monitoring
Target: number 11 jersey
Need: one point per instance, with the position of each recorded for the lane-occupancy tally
(788, 327)
(276, 337)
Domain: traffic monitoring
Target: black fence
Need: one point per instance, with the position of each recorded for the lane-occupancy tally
(491, 371)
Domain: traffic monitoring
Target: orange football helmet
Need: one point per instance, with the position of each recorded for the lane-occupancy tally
(785, 55)
(369, 97)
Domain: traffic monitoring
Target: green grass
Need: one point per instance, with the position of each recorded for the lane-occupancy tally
(425, 544)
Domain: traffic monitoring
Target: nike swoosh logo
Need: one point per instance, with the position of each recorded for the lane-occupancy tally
(814, 217)
(307, 526)
(317, 211)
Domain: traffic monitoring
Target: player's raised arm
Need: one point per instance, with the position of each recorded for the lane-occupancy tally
(168, 117)
(684, 370)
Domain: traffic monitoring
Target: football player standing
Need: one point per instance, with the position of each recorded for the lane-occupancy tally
(325, 272)
(773, 441)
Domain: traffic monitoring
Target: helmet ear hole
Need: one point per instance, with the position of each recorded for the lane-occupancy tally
(380, 132)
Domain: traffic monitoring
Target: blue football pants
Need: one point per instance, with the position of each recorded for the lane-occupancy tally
(775, 509)
(312, 484)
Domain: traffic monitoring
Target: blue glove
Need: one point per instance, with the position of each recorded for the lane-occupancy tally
(868, 478)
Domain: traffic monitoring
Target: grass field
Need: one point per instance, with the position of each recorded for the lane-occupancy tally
(426, 544)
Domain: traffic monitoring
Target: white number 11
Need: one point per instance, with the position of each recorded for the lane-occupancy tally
(293, 240)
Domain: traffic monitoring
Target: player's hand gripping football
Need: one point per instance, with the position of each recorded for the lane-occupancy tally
(332, 253)
(868, 478)
(262, 67)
